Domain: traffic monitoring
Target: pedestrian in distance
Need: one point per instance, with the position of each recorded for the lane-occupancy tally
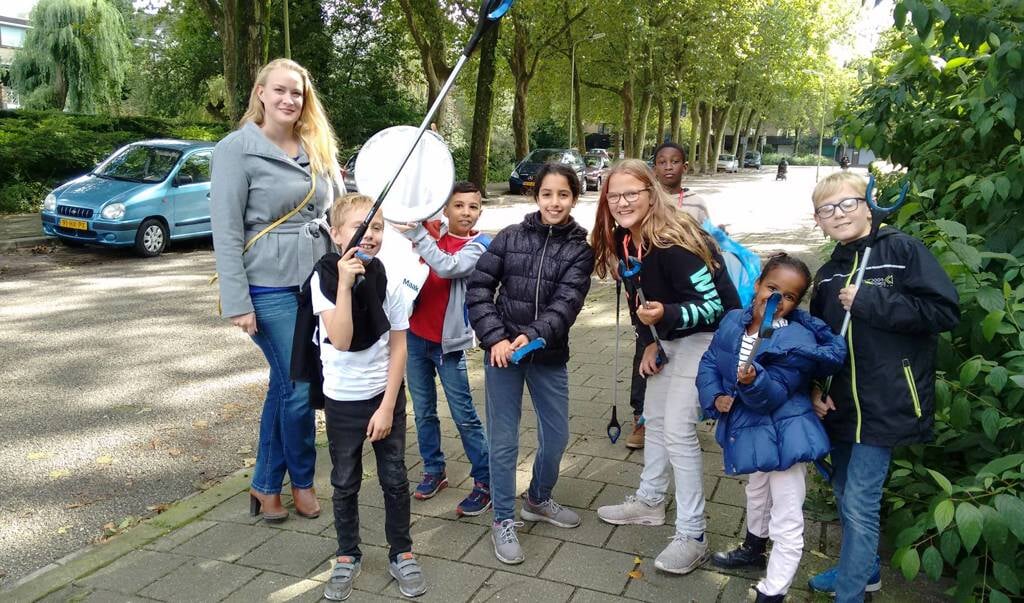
(884, 395)
(362, 337)
(530, 284)
(687, 291)
(757, 386)
(270, 179)
(439, 335)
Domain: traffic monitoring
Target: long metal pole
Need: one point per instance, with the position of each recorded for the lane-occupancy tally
(572, 89)
(287, 34)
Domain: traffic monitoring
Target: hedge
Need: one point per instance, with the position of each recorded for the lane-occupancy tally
(41, 149)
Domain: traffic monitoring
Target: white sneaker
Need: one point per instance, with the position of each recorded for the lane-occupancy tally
(633, 512)
(682, 555)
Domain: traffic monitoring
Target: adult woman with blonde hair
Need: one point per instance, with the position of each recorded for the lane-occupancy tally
(688, 290)
(271, 179)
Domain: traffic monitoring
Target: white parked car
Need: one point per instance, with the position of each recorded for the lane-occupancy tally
(728, 163)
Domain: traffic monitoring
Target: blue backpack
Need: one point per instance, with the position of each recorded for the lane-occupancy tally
(743, 265)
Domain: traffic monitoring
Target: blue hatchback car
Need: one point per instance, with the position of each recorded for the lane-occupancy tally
(143, 195)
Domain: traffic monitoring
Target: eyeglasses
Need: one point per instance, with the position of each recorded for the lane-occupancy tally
(848, 205)
(629, 196)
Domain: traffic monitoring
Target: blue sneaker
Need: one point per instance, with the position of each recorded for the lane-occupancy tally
(478, 501)
(432, 484)
(825, 582)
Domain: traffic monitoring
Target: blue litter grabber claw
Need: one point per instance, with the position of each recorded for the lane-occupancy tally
(536, 344)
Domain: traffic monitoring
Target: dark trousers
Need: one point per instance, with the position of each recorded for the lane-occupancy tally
(346, 430)
(637, 385)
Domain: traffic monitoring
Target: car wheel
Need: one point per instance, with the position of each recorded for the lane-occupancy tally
(151, 238)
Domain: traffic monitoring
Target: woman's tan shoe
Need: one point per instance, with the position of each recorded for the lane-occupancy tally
(306, 503)
(268, 505)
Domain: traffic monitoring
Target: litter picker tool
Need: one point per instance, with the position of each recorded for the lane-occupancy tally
(614, 428)
(535, 344)
(765, 329)
(629, 269)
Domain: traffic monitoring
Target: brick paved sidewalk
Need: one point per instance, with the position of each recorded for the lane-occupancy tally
(207, 548)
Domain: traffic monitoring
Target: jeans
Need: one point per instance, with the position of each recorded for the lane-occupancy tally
(671, 414)
(775, 502)
(346, 430)
(637, 384)
(859, 473)
(426, 358)
(549, 390)
(287, 429)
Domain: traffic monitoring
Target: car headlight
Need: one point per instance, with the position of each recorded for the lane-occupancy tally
(114, 211)
(515, 173)
(50, 202)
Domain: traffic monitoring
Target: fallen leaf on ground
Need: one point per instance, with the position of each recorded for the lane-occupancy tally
(244, 450)
(175, 452)
(106, 459)
(636, 574)
(36, 456)
(200, 424)
(819, 554)
(159, 508)
(196, 458)
(248, 462)
(59, 473)
(63, 529)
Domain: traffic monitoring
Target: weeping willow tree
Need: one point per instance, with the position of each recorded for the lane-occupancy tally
(74, 56)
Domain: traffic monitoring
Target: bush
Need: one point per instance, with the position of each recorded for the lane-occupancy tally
(41, 149)
(809, 159)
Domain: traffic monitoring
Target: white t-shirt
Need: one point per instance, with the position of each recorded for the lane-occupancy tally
(747, 341)
(357, 375)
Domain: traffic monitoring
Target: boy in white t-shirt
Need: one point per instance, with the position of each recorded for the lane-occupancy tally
(363, 350)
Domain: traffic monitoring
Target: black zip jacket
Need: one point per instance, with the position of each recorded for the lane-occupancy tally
(885, 393)
(541, 275)
(695, 298)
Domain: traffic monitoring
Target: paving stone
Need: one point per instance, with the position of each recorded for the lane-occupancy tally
(443, 504)
(583, 595)
(538, 550)
(444, 538)
(591, 531)
(611, 495)
(699, 586)
(643, 541)
(447, 581)
(226, 541)
(730, 491)
(269, 586)
(597, 409)
(570, 466)
(588, 426)
(200, 580)
(297, 523)
(186, 532)
(726, 520)
(234, 509)
(589, 567)
(583, 393)
(134, 571)
(741, 590)
(373, 577)
(515, 588)
(291, 553)
(575, 492)
(598, 446)
(613, 472)
(108, 596)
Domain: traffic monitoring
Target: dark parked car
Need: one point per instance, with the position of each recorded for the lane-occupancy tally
(752, 159)
(521, 180)
(598, 166)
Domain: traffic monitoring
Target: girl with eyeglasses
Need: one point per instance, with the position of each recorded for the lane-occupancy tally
(687, 290)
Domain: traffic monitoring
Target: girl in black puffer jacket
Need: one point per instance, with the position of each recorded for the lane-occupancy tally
(540, 270)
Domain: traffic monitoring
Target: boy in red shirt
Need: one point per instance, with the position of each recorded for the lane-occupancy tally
(439, 335)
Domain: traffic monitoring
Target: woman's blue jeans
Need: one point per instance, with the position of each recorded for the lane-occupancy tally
(287, 427)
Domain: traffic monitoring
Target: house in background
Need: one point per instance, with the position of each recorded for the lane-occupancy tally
(12, 37)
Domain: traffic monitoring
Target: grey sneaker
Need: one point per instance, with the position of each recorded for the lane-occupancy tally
(551, 512)
(339, 587)
(633, 511)
(682, 555)
(409, 574)
(506, 542)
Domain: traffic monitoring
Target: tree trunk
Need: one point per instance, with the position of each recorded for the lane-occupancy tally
(60, 87)
(233, 96)
(640, 126)
(480, 142)
(252, 16)
(720, 124)
(757, 134)
(675, 107)
(695, 129)
(628, 141)
(519, 131)
(796, 143)
(581, 136)
(661, 122)
(746, 130)
(736, 131)
(705, 137)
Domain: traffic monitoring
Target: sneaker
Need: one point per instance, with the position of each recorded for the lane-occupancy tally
(409, 574)
(750, 554)
(506, 542)
(478, 501)
(635, 440)
(825, 582)
(432, 484)
(551, 512)
(633, 511)
(682, 555)
(346, 570)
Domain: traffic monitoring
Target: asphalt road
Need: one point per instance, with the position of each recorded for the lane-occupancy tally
(123, 391)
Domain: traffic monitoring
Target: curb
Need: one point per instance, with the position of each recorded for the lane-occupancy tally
(12, 244)
(81, 563)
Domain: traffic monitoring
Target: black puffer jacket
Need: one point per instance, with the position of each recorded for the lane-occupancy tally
(885, 393)
(541, 274)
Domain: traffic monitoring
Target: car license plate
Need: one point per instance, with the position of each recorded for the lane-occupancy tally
(75, 224)
(528, 184)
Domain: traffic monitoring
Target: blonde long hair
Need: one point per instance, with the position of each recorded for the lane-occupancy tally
(312, 127)
(662, 227)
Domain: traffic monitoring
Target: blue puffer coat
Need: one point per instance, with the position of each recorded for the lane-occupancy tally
(772, 425)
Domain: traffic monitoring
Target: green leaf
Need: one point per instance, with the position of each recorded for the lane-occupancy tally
(943, 514)
(990, 423)
(908, 210)
(910, 564)
(932, 563)
(968, 254)
(989, 327)
(997, 466)
(994, 596)
(1007, 577)
(960, 412)
(941, 481)
(1012, 510)
(994, 528)
(953, 229)
(969, 371)
(1002, 182)
(968, 523)
(997, 378)
(993, 40)
(985, 126)
(1012, 59)
(909, 536)
(921, 17)
(949, 544)
(965, 181)
(899, 15)
(956, 62)
(1018, 380)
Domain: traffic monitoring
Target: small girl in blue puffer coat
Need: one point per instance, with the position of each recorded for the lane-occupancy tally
(766, 423)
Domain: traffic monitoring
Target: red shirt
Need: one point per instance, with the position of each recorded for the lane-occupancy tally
(427, 318)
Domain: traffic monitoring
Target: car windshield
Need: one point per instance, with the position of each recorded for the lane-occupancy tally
(594, 161)
(544, 156)
(725, 157)
(139, 163)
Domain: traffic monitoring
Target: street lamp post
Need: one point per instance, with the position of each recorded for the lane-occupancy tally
(572, 80)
